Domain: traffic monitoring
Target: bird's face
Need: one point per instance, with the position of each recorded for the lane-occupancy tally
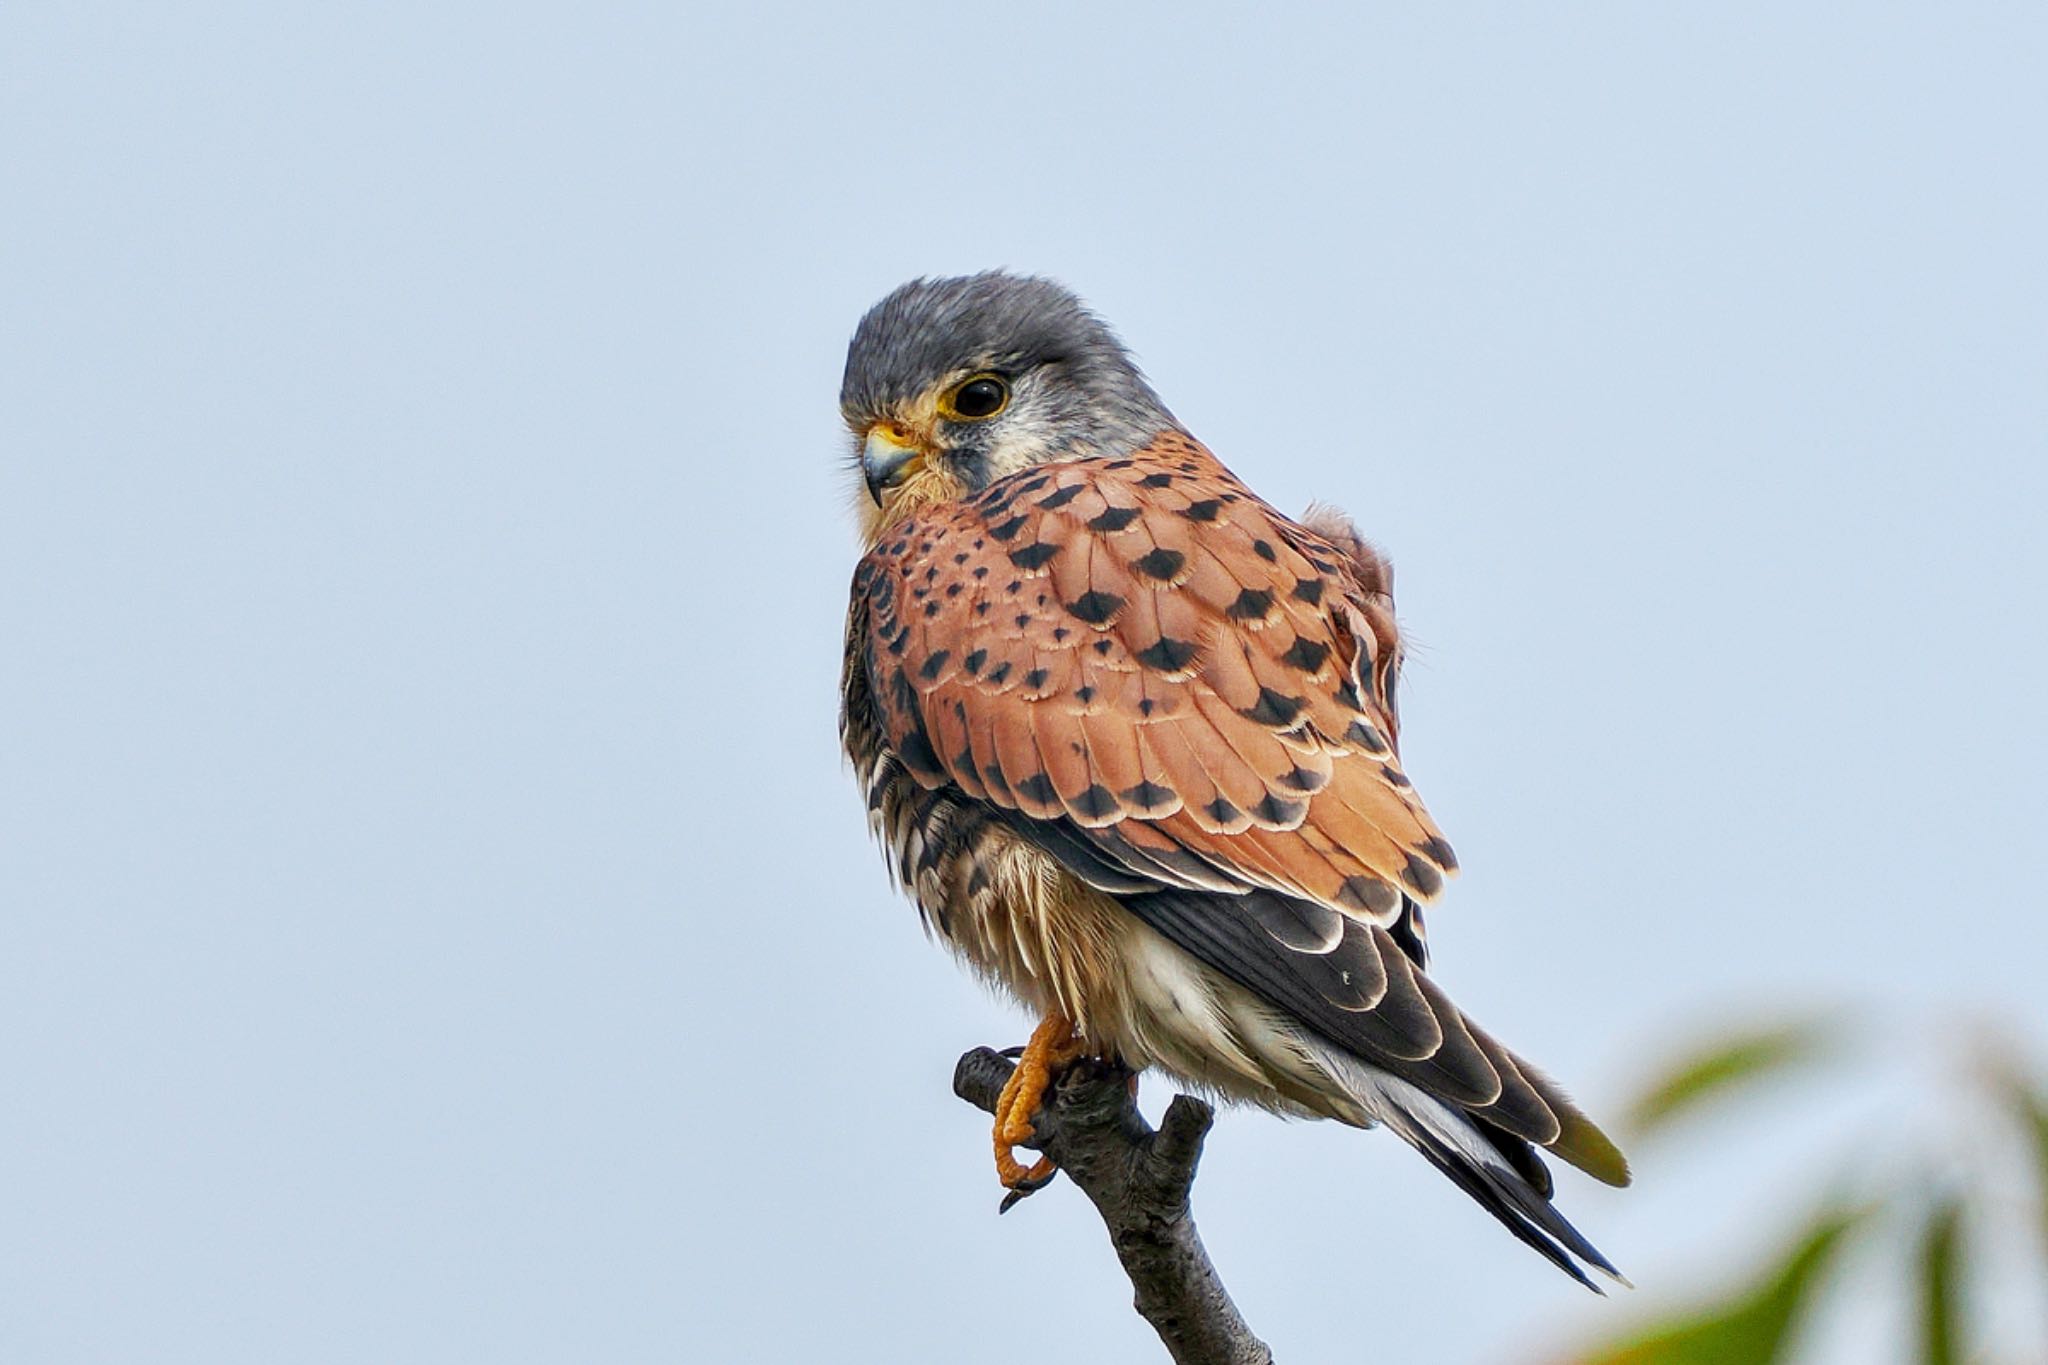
(961, 430)
(953, 384)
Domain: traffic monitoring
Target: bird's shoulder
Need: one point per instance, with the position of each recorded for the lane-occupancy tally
(1167, 518)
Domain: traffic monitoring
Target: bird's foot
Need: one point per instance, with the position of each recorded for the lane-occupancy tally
(1052, 1046)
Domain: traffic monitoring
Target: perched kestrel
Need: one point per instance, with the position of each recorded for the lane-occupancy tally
(1128, 735)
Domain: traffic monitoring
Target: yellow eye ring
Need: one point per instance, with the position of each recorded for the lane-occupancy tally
(975, 398)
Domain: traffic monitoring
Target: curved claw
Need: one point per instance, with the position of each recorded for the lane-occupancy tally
(1027, 1187)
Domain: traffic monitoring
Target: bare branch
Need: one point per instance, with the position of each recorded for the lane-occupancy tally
(1139, 1181)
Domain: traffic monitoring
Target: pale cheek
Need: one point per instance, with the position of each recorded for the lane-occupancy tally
(1023, 443)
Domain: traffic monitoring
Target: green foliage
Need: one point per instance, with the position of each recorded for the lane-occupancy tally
(1940, 1259)
(1756, 1326)
(1760, 1324)
(1727, 1067)
(2030, 1107)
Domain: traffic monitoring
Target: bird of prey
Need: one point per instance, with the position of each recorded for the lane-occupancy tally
(1128, 736)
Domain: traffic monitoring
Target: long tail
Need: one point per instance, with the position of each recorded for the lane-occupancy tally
(1501, 1172)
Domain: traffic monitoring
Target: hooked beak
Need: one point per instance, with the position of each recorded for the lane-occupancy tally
(888, 458)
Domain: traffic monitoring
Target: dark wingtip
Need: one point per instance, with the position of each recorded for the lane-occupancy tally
(1519, 1207)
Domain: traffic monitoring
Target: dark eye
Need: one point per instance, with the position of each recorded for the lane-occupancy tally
(982, 396)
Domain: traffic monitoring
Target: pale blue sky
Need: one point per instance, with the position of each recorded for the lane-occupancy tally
(437, 926)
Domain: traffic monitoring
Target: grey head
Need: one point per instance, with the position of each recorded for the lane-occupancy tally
(974, 377)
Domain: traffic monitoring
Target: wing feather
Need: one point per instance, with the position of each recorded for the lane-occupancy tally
(1144, 640)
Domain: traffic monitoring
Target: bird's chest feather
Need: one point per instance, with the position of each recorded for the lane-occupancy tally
(1000, 903)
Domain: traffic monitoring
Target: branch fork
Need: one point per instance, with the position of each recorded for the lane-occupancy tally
(1139, 1180)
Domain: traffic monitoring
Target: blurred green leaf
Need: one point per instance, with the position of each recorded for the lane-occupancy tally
(2030, 1106)
(1939, 1258)
(1728, 1065)
(1756, 1326)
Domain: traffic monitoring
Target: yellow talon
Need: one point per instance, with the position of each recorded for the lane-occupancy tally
(1052, 1046)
